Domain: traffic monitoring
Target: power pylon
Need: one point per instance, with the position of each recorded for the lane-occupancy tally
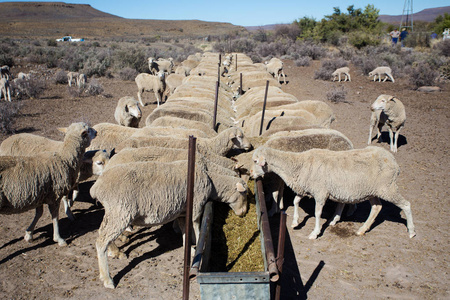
(407, 16)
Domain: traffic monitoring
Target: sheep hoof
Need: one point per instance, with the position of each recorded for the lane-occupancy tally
(313, 236)
(61, 243)
(412, 234)
(360, 232)
(109, 284)
(28, 237)
(294, 224)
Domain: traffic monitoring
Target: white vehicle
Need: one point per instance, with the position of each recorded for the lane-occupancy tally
(69, 39)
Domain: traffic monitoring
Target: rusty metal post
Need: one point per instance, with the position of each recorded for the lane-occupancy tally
(265, 227)
(189, 206)
(264, 108)
(216, 101)
(218, 72)
(240, 83)
(280, 251)
(236, 62)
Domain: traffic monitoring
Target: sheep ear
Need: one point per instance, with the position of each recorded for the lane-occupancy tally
(240, 187)
(62, 129)
(126, 108)
(393, 99)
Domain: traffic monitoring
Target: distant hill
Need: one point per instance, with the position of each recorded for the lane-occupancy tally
(56, 19)
(426, 15)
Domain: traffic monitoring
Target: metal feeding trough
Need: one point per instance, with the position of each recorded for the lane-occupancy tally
(235, 285)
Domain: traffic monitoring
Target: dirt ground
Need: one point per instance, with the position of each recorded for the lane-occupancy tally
(383, 264)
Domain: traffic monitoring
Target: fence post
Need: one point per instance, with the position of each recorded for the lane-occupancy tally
(264, 108)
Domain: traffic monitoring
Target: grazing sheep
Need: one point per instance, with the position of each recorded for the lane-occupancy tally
(346, 177)
(30, 182)
(222, 144)
(127, 112)
(5, 72)
(173, 81)
(175, 122)
(5, 89)
(275, 68)
(338, 72)
(154, 193)
(71, 76)
(381, 71)
(390, 111)
(110, 135)
(25, 76)
(148, 83)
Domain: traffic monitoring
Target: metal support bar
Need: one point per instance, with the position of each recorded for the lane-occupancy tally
(240, 83)
(265, 227)
(216, 100)
(189, 206)
(264, 108)
(280, 251)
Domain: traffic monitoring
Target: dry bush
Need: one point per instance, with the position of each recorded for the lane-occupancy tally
(28, 88)
(423, 75)
(303, 61)
(128, 74)
(61, 77)
(8, 110)
(94, 87)
(328, 67)
(337, 95)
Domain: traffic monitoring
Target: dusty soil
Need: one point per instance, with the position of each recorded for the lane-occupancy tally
(383, 264)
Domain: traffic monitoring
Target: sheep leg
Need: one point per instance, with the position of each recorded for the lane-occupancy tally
(284, 77)
(339, 77)
(140, 97)
(158, 97)
(374, 211)
(337, 213)
(114, 251)
(320, 202)
(29, 232)
(107, 233)
(351, 210)
(406, 207)
(69, 213)
(391, 140)
(349, 78)
(296, 217)
(54, 212)
(396, 139)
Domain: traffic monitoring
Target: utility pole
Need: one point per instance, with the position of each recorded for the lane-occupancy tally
(407, 16)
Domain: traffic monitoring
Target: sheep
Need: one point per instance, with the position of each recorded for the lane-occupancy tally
(222, 144)
(275, 68)
(173, 81)
(188, 65)
(387, 110)
(71, 76)
(155, 83)
(343, 70)
(30, 182)
(348, 177)
(381, 71)
(82, 79)
(293, 141)
(127, 112)
(25, 76)
(5, 72)
(156, 66)
(110, 135)
(26, 144)
(154, 193)
(168, 121)
(5, 89)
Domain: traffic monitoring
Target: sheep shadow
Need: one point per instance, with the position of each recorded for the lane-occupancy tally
(384, 138)
(290, 282)
(166, 238)
(389, 212)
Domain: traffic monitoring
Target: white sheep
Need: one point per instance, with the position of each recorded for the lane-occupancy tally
(175, 122)
(154, 193)
(149, 83)
(338, 72)
(160, 65)
(73, 77)
(127, 112)
(377, 72)
(30, 182)
(110, 135)
(82, 80)
(222, 144)
(5, 89)
(173, 81)
(275, 68)
(26, 144)
(25, 76)
(387, 110)
(347, 177)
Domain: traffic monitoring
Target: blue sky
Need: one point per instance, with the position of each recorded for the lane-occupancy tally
(245, 13)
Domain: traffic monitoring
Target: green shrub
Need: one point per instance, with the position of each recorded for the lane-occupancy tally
(361, 39)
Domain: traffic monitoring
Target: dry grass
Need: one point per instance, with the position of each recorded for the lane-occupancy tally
(236, 245)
